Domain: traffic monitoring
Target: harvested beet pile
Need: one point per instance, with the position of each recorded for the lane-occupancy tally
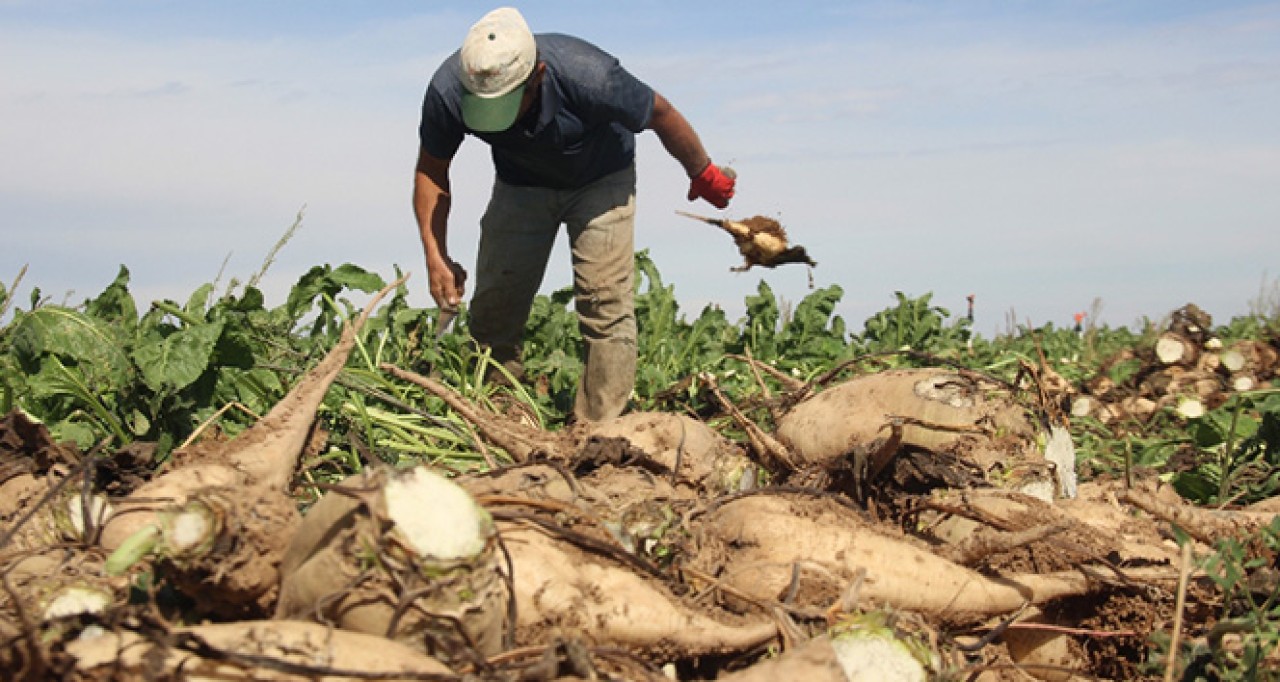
(908, 524)
(1186, 369)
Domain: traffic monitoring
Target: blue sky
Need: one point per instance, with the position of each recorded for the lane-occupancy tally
(1039, 155)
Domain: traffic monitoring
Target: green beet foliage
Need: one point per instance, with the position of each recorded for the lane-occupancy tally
(114, 371)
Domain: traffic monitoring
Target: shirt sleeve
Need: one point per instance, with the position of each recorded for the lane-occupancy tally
(441, 130)
(608, 93)
(630, 100)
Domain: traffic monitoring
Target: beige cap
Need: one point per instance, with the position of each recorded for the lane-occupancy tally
(497, 57)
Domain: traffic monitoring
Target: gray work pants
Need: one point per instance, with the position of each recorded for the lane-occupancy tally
(517, 233)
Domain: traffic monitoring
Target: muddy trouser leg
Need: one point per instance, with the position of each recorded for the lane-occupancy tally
(517, 233)
(601, 221)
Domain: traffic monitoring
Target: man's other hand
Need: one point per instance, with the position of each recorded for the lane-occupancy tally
(448, 285)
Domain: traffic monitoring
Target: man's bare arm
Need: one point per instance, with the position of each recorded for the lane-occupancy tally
(677, 136)
(431, 202)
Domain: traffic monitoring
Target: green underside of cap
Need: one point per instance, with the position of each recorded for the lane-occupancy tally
(491, 114)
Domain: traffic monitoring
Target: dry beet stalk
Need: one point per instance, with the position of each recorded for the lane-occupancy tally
(1206, 525)
(789, 383)
(686, 447)
(764, 443)
(1046, 653)
(520, 441)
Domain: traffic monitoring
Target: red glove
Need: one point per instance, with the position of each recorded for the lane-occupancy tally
(714, 185)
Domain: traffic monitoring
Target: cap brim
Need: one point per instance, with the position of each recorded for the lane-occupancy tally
(491, 114)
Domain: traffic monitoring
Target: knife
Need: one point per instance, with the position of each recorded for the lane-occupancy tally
(448, 312)
(445, 320)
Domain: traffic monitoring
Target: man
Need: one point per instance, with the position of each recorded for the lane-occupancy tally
(560, 116)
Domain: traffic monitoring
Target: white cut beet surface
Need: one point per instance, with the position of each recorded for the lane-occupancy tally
(142, 507)
(439, 590)
(189, 530)
(1060, 450)
(73, 601)
(456, 528)
(876, 657)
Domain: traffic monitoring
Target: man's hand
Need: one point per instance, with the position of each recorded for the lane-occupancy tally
(448, 284)
(712, 184)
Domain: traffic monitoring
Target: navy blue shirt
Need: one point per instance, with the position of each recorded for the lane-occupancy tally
(581, 129)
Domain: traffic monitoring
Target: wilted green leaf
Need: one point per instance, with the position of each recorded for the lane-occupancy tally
(115, 303)
(177, 360)
(198, 300)
(74, 337)
(236, 348)
(326, 280)
(1208, 431)
(762, 323)
(139, 424)
(76, 432)
(814, 312)
(1200, 485)
(912, 323)
(251, 300)
(55, 379)
(356, 277)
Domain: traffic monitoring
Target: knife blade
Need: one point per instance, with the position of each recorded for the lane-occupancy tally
(445, 320)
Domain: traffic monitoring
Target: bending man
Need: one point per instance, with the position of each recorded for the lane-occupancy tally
(560, 116)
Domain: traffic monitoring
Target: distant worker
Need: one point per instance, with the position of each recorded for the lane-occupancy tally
(968, 340)
(560, 116)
